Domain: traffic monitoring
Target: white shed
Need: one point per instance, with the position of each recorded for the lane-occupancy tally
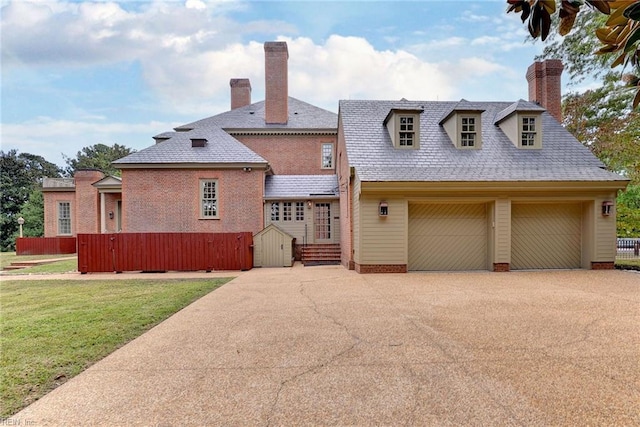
(273, 247)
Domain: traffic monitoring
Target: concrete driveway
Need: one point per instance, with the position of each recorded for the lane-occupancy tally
(326, 346)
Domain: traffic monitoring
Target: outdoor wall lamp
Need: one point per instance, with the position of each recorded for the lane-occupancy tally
(308, 204)
(383, 209)
(110, 214)
(606, 207)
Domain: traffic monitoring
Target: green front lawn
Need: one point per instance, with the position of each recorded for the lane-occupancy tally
(6, 258)
(628, 263)
(66, 266)
(52, 330)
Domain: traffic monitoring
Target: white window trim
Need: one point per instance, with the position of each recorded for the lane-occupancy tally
(287, 214)
(537, 132)
(58, 204)
(274, 209)
(201, 199)
(477, 131)
(332, 161)
(296, 216)
(415, 127)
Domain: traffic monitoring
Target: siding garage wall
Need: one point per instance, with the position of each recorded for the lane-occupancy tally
(447, 236)
(546, 235)
(495, 234)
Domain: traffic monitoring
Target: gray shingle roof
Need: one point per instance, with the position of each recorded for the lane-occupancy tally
(301, 186)
(371, 152)
(175, 147)
(221, 148)
(301, 116)
(520, 105)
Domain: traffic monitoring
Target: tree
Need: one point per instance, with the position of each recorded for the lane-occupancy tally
(98, 156)
(601, 118)
(20, 174)
(618, 35)
(33, 213)
(628, 212)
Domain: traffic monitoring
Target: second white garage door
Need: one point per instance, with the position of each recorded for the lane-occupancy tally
(447, 237)
(546, 235)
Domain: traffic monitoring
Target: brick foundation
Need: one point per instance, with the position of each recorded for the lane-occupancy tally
(380, 268)
(500, 266)
(608, 265)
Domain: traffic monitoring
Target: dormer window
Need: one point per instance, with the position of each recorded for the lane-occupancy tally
(528, 135)
(404, 128)
(521, 122)
(407, 133)
(468, 132)
(463, 124)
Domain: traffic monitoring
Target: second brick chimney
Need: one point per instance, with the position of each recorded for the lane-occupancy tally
(544, 85)
(276, 83)
(240, 93)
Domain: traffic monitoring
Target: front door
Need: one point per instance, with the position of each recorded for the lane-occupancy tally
(323, 221)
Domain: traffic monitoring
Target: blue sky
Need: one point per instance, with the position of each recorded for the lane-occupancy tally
(78, 73)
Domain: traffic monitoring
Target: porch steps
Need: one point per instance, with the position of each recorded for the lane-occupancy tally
(321, 254)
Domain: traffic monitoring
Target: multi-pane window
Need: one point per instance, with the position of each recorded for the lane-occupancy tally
(407, 133)
(299, 211)
(64, 218)
(327, 156)
(287, 211)
(287, 215)
(468, 132)
(528, 137)
(209, 198)
(275, 211)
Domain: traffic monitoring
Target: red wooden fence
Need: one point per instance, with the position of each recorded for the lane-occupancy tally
(164, 252)
(45, 245)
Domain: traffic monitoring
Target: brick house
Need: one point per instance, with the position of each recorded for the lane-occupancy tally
(388, 186)
(269, 162)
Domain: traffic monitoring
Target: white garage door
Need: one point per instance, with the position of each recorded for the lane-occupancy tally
(447, 237)
(546, 236)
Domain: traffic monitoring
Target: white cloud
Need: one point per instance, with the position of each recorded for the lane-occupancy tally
(188, 50)
(195, 4)
(67, 34)
(51, 137)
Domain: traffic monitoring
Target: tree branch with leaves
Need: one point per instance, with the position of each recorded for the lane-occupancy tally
(618, 35)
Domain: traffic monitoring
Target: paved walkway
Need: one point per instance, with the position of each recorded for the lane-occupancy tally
(326, 346)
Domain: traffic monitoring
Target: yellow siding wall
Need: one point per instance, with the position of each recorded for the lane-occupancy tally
(572, 219)
(383, 240)
(588, 227)
(356, 221)
(297, 228)
(604, 231)
(335, 221)
(502, 231)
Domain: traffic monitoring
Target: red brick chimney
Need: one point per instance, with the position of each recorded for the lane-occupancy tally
(240, 93)
(87, 201)
(544, 85)
(276, 83)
